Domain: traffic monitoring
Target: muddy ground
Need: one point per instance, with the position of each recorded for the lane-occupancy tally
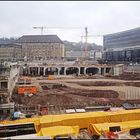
(65, 96)
(69, 98)
(127, 76)
(102, 83)
(72, 95)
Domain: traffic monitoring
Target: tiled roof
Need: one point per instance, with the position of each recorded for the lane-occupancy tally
(39, 39)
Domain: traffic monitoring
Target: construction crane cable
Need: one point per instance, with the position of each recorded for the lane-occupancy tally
(66, 28)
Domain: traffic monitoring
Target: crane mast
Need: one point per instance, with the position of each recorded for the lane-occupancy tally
(86, 35)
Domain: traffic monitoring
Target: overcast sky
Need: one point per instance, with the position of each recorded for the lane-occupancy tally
(103, 17)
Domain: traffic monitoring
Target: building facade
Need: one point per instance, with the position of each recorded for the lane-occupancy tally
(95, 54)
(76, 54)
(123, 46)
(10, 52)
(92, 54)
(8, 78)
(41, 47)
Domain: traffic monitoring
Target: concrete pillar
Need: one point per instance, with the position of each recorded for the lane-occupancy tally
(38, 70)
(24, 71)
(28, 69)
(85, 70)
(44, 69)
(116, 70)
(78, 70)
(99, 72)
(65, 70)
(58, 71)
(111, 71)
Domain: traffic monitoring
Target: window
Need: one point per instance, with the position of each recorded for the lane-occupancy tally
(4, 85)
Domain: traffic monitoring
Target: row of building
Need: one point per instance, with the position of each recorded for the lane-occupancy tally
(118, 47)
(41, 47)
(92, 54)
(33, 47)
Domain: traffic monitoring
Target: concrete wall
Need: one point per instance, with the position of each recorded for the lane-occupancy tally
(14, 73)
(8, 80)
(66, 70)
(118, 69)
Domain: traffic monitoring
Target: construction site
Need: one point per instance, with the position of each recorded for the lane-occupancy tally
(69, 70)
(70, 104)
(70, 91)
(47, 96)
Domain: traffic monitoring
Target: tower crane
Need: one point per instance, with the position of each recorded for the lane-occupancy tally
(86, 37)
(41, 28)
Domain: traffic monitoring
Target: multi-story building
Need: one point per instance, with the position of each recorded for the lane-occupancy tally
(8, 78)
(122, 46)
(10, 52)
(41, 47)
(95, 54)
(76, 54)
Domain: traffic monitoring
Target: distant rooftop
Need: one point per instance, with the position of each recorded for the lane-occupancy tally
(125, 32)
(6, 40)
(39, 39)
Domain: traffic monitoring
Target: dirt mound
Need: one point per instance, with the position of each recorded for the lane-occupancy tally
(73, 95)
(136, 84)
(102, 83)
(65, 97)
(127, 76)
(43, 100)
(95, 93)
(99, 83)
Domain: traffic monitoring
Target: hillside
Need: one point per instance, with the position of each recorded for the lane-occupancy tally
(7, 40)
(80, 46)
